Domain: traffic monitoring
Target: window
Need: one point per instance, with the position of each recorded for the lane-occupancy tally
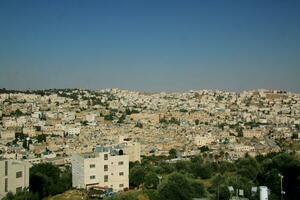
(6, 168)
(105, 168)
(121, 185)
(105, 156)
(92, 165)
(121, 163)
(19, 174)
(6, 185)
(19, 189)
(92, 177)
(121, 174)
(106, 178)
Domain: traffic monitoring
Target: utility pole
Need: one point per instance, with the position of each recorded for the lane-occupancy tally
(218, 179)
(281, 191)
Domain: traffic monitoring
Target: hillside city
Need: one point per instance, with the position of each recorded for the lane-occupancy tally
(78, 127)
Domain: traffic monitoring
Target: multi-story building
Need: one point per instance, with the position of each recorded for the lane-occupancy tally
(14, 176)
(106, 167)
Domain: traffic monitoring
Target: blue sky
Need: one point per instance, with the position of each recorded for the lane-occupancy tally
(150, 45)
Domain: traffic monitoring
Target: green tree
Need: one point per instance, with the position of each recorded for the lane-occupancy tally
(272, 181)
(183, 166)
(84, 123)
(295, 136)
(109, 117)
(204, 170)
(289, 166)
(41, 138)
(25, 145)
(47, 179)
(172, 153)
(225, 166)
(40, 183)
(248, 167)
(166, 168)
(239, 131)
(217, 181)
(176, 187)
(204, 149)
(198, 190)
(179, 187)
(197, 159)
(137, 176)
(17, 113)
(151, 180)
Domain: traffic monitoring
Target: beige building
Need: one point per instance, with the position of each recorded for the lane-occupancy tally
(14, 176)
(133, 150)
(203, 140)
(130, 148)
(106, 167)
(7, 134)
(252, 133)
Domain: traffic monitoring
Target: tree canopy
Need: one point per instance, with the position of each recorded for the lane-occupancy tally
(47, 179)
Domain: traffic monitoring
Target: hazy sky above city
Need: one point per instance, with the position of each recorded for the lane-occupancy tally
(153, 45)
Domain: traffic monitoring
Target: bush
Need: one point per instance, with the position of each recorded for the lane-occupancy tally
(23, 195)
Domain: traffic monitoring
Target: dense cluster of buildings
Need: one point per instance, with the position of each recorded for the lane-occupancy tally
(81, 126)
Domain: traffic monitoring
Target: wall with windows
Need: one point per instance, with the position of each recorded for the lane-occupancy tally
(14, 176)
(100, 169)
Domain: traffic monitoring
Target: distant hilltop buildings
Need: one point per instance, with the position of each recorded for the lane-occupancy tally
(51, 125)
(100, 132)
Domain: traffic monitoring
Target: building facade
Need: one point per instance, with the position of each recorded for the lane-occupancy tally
(132, 149)
(14, 176)
(106, 167)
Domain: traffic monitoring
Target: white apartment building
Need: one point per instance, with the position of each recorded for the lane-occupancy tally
(106, 167)
(71, 130)
(14, 176)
